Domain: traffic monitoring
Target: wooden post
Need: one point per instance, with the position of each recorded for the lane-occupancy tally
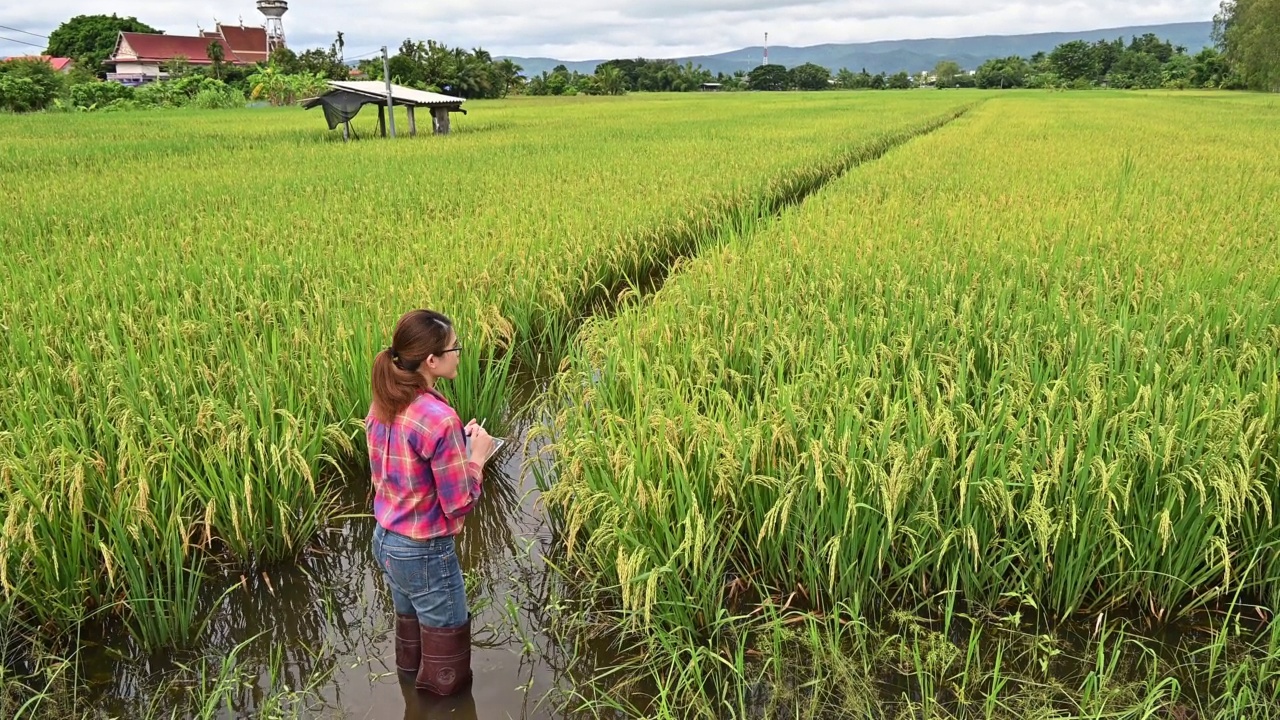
(413, 124)
(382, 120)
(441, 116)
(391, 105)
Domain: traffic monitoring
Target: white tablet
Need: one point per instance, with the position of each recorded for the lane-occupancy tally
(497, 445)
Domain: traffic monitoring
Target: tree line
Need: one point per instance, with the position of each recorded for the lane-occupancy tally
(1245, 55)
(436, 67)
(1144, 62)
(1248, 33)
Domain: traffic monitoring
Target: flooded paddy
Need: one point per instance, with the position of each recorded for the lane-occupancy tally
(323, 627)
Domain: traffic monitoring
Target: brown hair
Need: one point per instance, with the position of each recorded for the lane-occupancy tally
(396, 380)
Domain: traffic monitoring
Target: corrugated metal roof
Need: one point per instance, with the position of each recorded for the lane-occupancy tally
(399, 93)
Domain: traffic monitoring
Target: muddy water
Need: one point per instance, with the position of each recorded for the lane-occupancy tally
(326, 623)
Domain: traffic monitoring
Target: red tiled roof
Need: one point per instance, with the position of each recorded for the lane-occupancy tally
(245, 39)
(252, 57)
(158, 48)
(57, 62)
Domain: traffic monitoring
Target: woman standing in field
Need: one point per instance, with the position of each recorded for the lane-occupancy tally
(425, 483)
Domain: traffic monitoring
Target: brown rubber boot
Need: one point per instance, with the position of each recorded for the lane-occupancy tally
(446, 659)
(408, 644)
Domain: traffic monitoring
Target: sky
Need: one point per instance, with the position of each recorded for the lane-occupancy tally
(585, 30)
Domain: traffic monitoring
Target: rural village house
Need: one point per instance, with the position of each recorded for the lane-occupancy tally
(140, 58)
(60, 65)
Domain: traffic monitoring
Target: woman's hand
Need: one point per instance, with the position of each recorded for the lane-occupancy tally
(481, 442)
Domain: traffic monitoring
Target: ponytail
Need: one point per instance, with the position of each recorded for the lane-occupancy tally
(396, 380)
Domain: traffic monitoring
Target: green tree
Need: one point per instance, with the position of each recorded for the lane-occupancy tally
(285, 60)
(507, 76)
(90, 39)
(644, 75)
(1072, 61)
(810, 76)
(1209, 69)
(27, 85)
(1178, 72)
(1248, 33)
(1161, 50)
(216, 58)
(1135, 69)
(436, 67)
(280, 88)
(98, 94)
(557, 82)
(1044, 80)
(1106, 53)
(769, 77)
(323, 62)
(1004, 73)
(630, 69)
(946, 72)
(611, 80)
(899, 81)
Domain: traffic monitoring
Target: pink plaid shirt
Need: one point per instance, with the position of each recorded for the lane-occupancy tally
(423, 483)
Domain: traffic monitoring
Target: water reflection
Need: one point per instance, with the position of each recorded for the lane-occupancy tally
(422, 706)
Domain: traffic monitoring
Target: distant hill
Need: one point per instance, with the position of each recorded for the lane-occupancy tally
(890, 56)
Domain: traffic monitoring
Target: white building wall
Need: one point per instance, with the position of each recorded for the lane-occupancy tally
(137, 68)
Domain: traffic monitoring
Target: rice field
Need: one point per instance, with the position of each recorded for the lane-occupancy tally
(1029, 363)
(192, 301)
(1011, 369)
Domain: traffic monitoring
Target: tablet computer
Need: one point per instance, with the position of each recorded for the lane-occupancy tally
(497, 445)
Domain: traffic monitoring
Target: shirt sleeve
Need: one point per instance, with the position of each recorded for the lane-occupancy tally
(457, 479)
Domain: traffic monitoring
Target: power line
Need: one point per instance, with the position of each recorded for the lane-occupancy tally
(20, 42)
(24, 32)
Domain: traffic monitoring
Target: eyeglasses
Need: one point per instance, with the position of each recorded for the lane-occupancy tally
(456, 348)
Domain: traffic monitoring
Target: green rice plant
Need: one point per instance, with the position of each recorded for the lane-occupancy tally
(964, 371)
(196, 301)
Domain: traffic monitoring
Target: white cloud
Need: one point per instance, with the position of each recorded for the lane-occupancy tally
(579, 30)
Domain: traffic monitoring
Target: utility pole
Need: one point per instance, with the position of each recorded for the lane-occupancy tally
(386, 74)
(766, 48)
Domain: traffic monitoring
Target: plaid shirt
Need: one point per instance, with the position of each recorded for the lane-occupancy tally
(423, 483)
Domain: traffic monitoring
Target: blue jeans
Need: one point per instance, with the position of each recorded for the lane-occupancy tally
(424, 576)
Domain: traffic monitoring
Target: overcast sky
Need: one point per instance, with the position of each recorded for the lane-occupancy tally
(584, 30)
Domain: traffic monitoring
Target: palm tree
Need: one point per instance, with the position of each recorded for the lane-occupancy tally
(214, 51)
(508, 74)
(612, 80)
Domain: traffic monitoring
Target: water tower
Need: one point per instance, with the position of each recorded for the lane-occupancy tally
(274, 10)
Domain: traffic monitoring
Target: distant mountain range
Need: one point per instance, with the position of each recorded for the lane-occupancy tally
(891, 56)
